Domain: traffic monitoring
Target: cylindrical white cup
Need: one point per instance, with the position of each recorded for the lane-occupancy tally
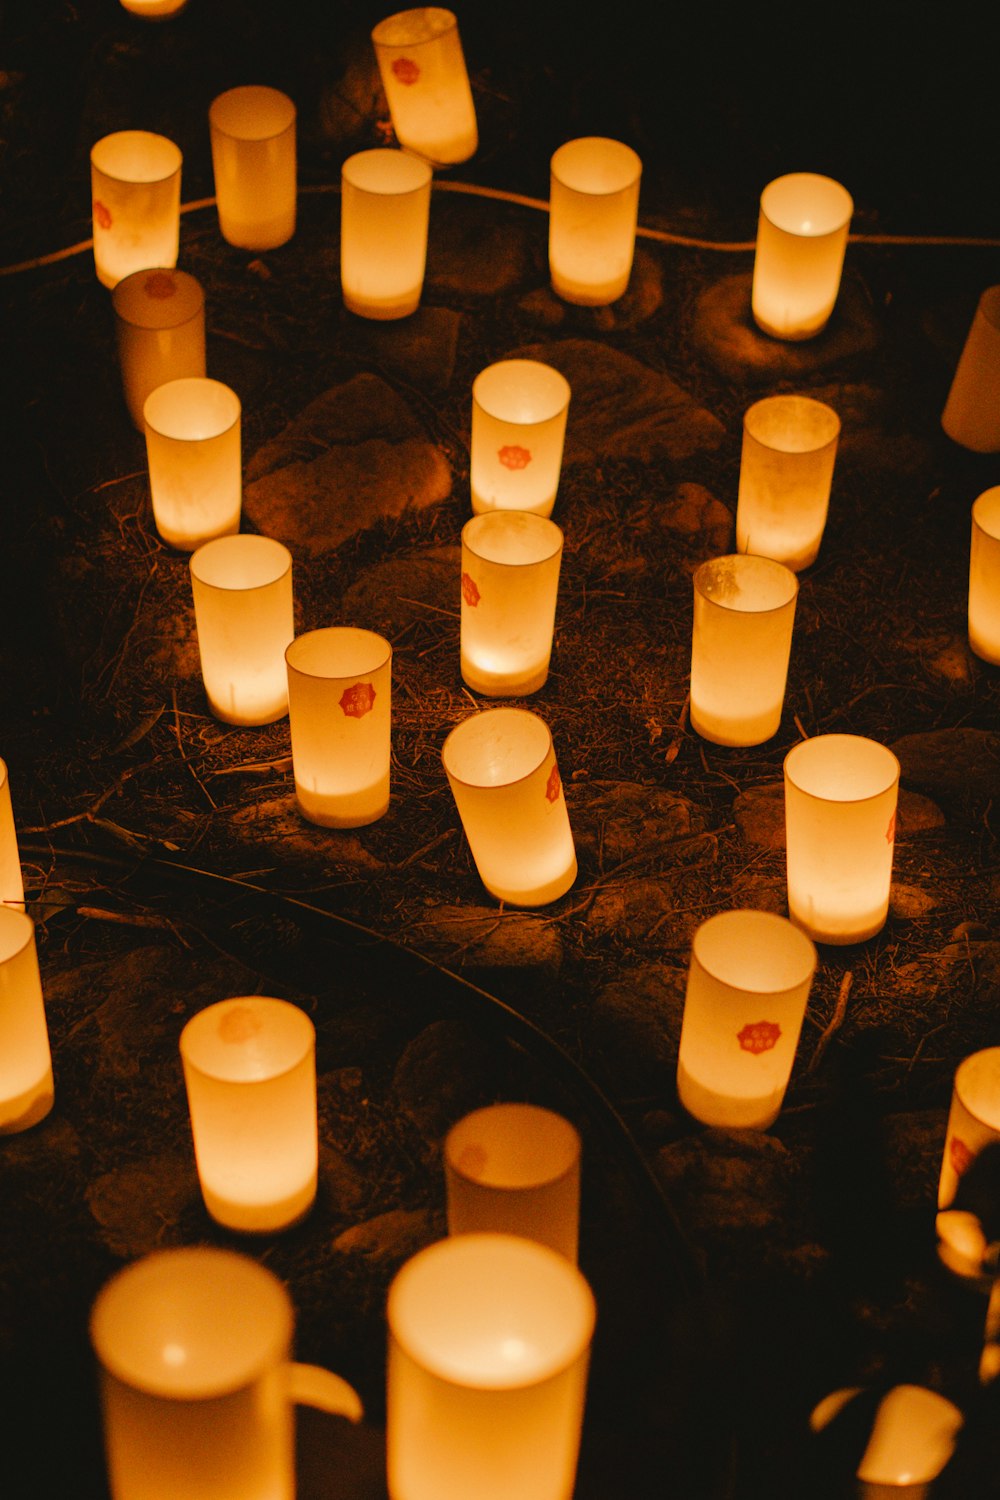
(973, 1123)
(786, 470)
(747, 988)
(422, 66)
(510, 583)
(972, 412)
(593, 209)
(385, 204)
(253, 158)
(197, 1380)
(11, 878)
(135, 181)
(242, 588)
(744, 611)
(26, 1087)
(984, 576)
(519, 409)
(911, 1440)
(193, 447)
(160, 327)
(801, 239)
(339, 704)
(489, 1340)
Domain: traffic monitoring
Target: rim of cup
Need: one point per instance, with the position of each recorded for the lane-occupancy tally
(491, 388)
(761, 417)
(373, 652)
(246, 102)
(414, 174)
(750, 562)
(271, 1011)
(127, 291)
(786, 935)
(476, 531)
(831, 204)
(242, 545)
(986, 1059)
(852, 744)
(165, 147)
(189, 393)
(986, 512)
(574, 160)
(562, 1137)
(428, 21)
(474, 725)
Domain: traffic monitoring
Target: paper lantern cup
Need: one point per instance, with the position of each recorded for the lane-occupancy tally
(973, 1123)
(801, 239)
(519, 409)
(160, 330)
(912, 1439)
(984, 577)
(11, 879)
(385, 203)
(515, 1169)
(510, 583)
(196, 1378)
(339, 702)
(135, 180)
(593, 209)
(253, 158)
(154, 10)
(242, 588)
(422, 66)
(786, 471)
(744, 611)
(840, 830)
(193, 447)
(26, 1086)
(972, 412)
(489, 1341)
(250, 1074)
(748, 983)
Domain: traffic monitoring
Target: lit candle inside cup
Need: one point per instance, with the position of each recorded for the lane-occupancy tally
(519, 409)
(744, 611)
(593, 209)
(11, 879)
(973, 1123)
(26, 1086)
(252, 130)
(193, 446)
(972, 412)
(339, 702)
(250, 1074)
(801, 239)
(510, 583)
(154, 10)
(501, 766)
(422, 66)
(786, 471)
(840, 830)
(135, 180)
(385, 202)
(242, 587)
(160, 329)
(984, 577)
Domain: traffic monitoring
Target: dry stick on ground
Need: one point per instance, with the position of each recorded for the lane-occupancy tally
(185, 758)
(836, 1021)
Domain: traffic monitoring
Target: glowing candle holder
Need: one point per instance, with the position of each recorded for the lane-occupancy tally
(786, 470)
(744, 611)
(515, 1169)
(840, 830)
(489, 1342)
(193, 447)
(250, 1074)
(984, 577)
(912, 1439)
(339, 700)
(242, 587)
(154, 10)
(11, 879)
(197, 1381)
(519, 409)
(748, 984)
(385, 205)
(253, 158)
(593, 209)
(510, 582)
(973, 1123)
(26, 1087)
(422, 66)
(972, 413)
(135, 181)
(501, 766)
(160, 327)
(801, 240)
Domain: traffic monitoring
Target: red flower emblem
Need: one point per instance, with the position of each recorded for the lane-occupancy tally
(102, 214)
(960, 1155)
(358, 700)
(890, 832)
(406, 70)
(514, 457)
(470, 592)
(553, 786)
(160, 285)
(759, 1036)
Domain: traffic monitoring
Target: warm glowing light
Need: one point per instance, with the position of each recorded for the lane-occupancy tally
(11, 879)
(912, 1438)
(385, 206)
(972, 412)
(509, 586)
(253, 158)
(984, 577)
(242, 587)
(135, 180)
(973, 1121)
(786, 470)
(593, 208)
(160, 328)
(801, 239)
(519, 409)
(26, 1087)
(426, 84)
(155, 10)
(193, 446)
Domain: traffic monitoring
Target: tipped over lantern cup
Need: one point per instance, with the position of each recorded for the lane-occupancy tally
(385, 204)
(801, 238)
(489, 1344)
(11, 879)
(501, 766)
(422, 66)
(840, 831)
(160, 329)
(135, 182)
(973, 1123)
(250, 1074)
(515, 1169)
(972, 411)
(26, 1088)
(193, 447)
(748, 983)
(242, 588)
(593, 209)
(510, 582)
(339, 704)
(786, 470)
(519, 409)
(912, 1438)
(744, 610)
(197, 1380)
(253, 158)
(984, 576)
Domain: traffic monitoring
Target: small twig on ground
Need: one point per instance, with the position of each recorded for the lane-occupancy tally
(449, 833)
(673, 749)
(184, 755)
(254, 767)
(836, 1021)
(798, 724)
(130, 919)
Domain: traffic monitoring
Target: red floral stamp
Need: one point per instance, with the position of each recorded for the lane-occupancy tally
(159, 285)
(406, 70)
(102, 214)
(960, 1156)
(358, 700)
(890, 832)
(514, 457)
(553, 786)
(759, 1036)
(470, 591)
